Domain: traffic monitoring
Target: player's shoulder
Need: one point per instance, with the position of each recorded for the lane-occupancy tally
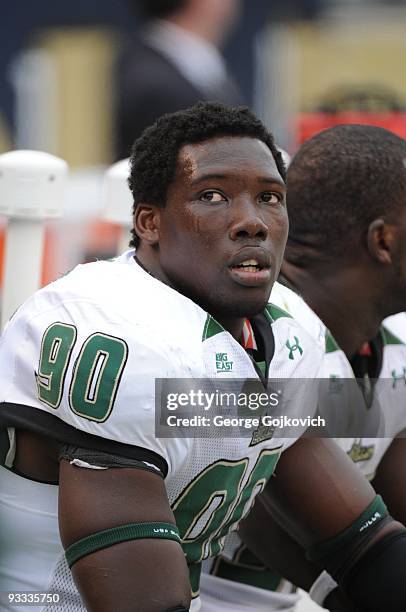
(287, 304)
(393, 330)
(84, 353)
(299, 338)
(117, 294)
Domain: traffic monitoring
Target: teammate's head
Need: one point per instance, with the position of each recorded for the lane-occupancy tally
(339, 182)
(347, 211)
(208, 189)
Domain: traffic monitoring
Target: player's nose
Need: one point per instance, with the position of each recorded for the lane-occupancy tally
(246, 221)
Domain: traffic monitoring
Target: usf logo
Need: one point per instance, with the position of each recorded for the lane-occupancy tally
(293, 346)
(262, 433)
(397, 377)
(222, 363)
(359, 452)
(335, 385)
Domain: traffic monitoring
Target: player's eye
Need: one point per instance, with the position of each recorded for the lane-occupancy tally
(271, 197)
(212, 196)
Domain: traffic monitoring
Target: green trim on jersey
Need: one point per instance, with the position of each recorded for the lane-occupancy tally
(388, 337)
(331, 344)
(246, 568)
(211, 328)
(262, 367)
(274, 312)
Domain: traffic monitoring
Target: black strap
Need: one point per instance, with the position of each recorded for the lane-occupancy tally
(41, 422)
(266, 345)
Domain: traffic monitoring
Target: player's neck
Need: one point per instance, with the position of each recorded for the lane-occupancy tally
(233, 325)
(351, 315)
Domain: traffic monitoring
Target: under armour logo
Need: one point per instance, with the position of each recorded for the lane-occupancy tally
(396, 377)
(293, 347)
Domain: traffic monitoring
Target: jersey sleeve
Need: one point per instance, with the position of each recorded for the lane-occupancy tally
(71, 370)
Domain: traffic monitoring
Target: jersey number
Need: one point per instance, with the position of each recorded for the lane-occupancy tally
(96, 373)
(216, 500)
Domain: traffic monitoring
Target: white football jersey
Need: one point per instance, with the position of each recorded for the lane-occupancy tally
(80, 360)
(238, 576)
(382, 412)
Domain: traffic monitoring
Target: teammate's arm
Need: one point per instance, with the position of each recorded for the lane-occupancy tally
(318, 495)
(148, 575)
(390, 478)
(316, 490)
(276, 548)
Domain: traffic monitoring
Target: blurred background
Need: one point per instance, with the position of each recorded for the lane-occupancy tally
(81, 79)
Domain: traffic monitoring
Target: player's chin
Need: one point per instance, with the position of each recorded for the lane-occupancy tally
(249, 302)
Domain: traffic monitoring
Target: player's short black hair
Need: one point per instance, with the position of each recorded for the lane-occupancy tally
(338, 183)
(155, 154)
(157, 9)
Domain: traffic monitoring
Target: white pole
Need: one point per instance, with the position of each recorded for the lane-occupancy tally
(32, 186)
(117, 200)
(23, 263)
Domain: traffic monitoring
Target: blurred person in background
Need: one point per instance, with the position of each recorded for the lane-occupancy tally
(173, 63)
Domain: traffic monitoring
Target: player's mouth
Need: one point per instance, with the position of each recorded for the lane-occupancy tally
(252, 271)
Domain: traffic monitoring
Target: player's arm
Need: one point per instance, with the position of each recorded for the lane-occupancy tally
(147, 574)
(321, 498)
(390, 478)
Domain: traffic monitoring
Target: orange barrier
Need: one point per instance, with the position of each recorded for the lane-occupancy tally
(309, 124)
(102, 240)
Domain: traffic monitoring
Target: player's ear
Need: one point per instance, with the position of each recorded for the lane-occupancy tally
(146, 223)
(381, 240)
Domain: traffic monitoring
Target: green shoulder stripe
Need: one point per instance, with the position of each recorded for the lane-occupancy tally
(388, 337)
(211, 328)
(331, 344)
(274, 312)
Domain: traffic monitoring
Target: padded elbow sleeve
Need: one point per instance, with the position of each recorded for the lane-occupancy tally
(377, 581)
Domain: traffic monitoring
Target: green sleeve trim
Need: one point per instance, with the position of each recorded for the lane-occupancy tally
(388, 337)
(331, 344)
(115, 535)
(211, 328)
(373, 514)
(274, 312)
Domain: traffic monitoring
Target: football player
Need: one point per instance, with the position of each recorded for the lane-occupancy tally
(346, 257)
(94, 507)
